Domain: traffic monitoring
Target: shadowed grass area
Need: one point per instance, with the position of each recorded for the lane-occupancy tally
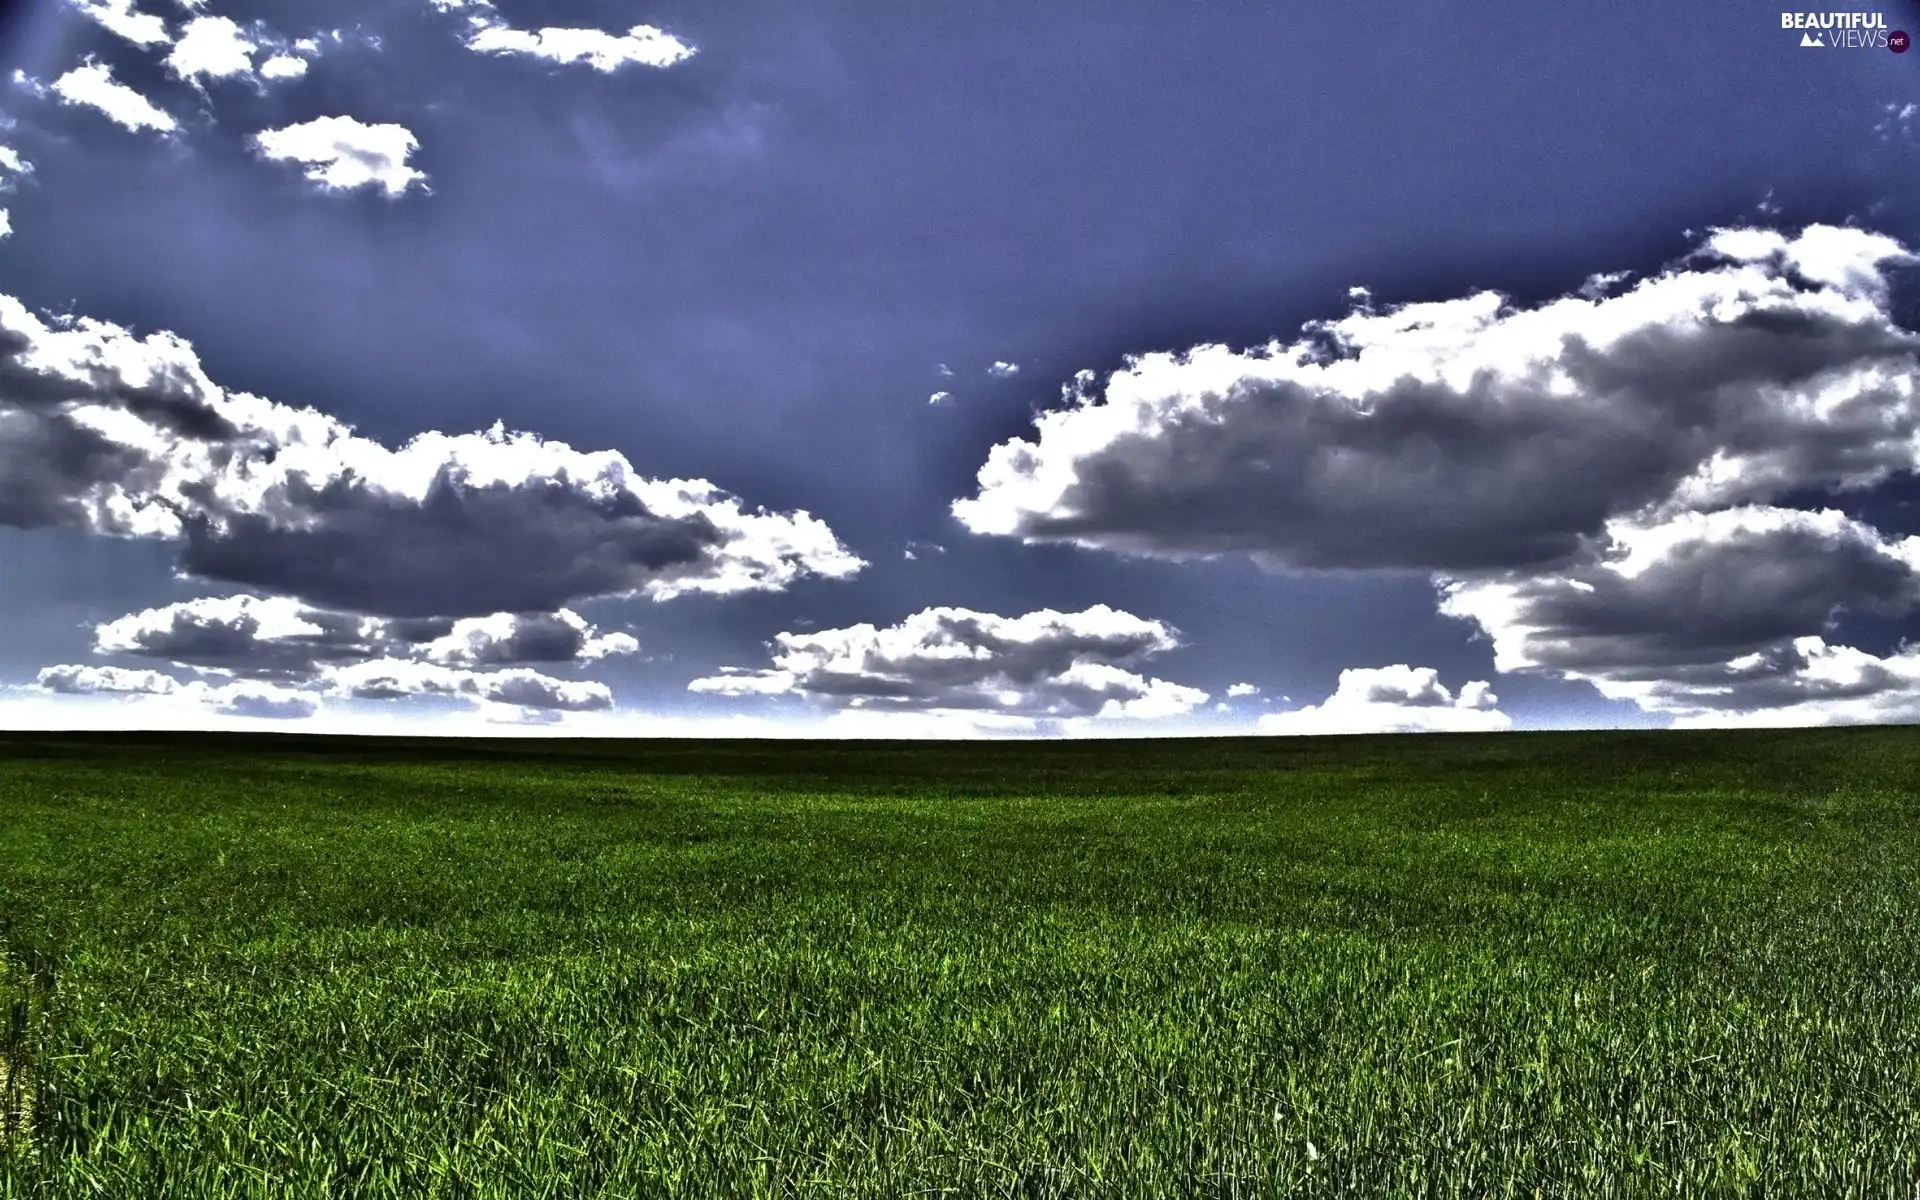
(1610, 964)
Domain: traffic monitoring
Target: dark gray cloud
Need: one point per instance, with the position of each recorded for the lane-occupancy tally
(1473, 433)
(279, 637)
(1589, 477)
(393, 679)
(69, 679)
(1043, 663)
(1721, 611)
(275, 704)
(1807, 681)
(459, 549)
(243, 699)
(118, 434)
(268, 636)
(1695, 589)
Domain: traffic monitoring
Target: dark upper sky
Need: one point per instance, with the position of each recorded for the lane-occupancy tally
(754, 265)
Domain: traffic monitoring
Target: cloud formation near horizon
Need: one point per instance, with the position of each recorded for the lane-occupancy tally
(1043, 664)
(241, 699)
(1395, 699)
(1599, 482)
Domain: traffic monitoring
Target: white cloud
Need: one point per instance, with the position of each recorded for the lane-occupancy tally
(1004, 370)
(1042, 664)
(283, 66)
(609, 645)
(262, 700)
(939, 397)
(104, 431)
(1597, 482)
(1470, 433)
(1808, 682)
(277, 636)
(6, 223)
(1660, 598)
(122, 19)
(213, 48)
(1242, 689)
(341, 154)
(243, 634)
(1897, 120)
(12, 167)
(642, 45)
(388, 679)
(236, 699)
(1714, 618)
(500, 638)
(91, 85)
(70, 679)
(1395, 699)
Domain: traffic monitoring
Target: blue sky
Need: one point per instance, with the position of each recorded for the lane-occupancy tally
(770, 368)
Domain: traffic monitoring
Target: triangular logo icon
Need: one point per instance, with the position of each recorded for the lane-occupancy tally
(1812, 39)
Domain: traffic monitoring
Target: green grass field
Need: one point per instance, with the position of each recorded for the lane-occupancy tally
(1611, 964)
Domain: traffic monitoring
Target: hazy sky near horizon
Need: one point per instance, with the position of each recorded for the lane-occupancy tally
(1186, 366)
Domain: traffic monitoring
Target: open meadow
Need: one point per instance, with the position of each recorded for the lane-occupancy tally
(1594, 964)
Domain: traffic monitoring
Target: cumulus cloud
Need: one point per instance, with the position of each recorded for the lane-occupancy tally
(1472, 433)
(279, 636)
(283, 66)
(1805, 682)
(1042, 664)
(389, 679)
(503, 638)
(1395, 699)
(104, 431)
(12, 167)
(273, 640)
(1004, 370)
(1239, 690)
(92, 85)
(640, 45)
(939, 397)
(342, 154)
(1601, 482)
(252, 635)
(234, 699)
(261, 700)
(122, 19)
(211, 48)
(73, 680)
(1700, 611)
